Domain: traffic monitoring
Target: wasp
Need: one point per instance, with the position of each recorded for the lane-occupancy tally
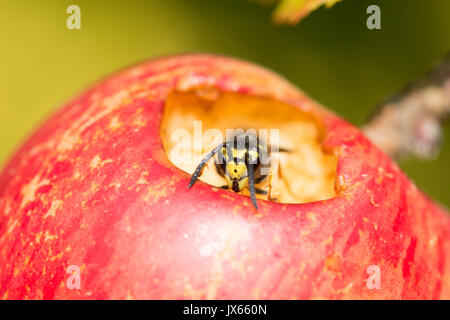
(242, 160)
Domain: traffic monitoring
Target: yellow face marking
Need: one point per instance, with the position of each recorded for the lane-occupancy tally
(242, 183)
(236, 171)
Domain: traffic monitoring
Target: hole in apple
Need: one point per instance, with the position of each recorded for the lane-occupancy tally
(196, 121)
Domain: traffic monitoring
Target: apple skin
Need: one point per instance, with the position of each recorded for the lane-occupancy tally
(93, 187)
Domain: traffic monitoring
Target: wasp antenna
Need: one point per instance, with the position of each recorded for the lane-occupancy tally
(279, 149)
(283, 150)
(198, 171)
(251, 179)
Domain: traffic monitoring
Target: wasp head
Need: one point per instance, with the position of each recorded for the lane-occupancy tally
(235, 167)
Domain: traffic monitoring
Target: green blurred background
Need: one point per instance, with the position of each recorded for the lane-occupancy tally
(331, 54)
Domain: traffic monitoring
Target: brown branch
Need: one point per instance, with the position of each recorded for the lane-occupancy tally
(410, 123)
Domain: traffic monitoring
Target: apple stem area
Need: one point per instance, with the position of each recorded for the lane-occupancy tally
(197, 121)
(411, 122)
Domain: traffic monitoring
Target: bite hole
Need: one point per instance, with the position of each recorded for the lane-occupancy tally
(194, 122)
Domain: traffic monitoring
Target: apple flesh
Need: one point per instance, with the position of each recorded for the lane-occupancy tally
(96, 196)
(196, 122)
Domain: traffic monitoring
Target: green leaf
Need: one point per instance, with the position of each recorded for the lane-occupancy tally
(292, 11)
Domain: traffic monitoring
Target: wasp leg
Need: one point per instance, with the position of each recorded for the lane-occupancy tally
(198, 171)
(260, 179)
(260, 191)
(224, 187)
(251, 179)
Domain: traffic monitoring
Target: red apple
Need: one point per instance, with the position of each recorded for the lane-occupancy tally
(93, 190)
